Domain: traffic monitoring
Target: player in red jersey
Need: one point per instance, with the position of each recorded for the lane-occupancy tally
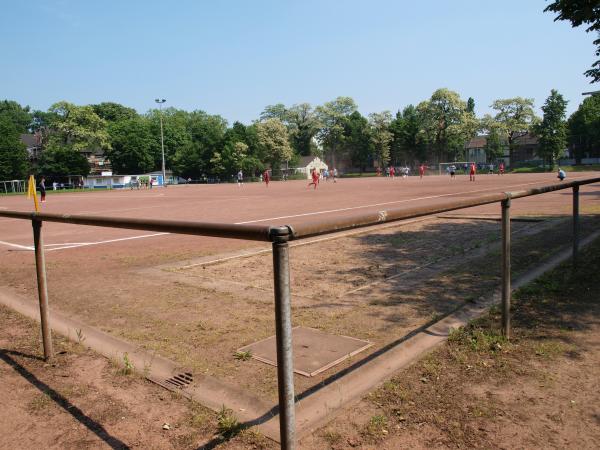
(392, 172)
(501, 169)
(266, 177)
(315, 178)
(422, 170)
(472, 172)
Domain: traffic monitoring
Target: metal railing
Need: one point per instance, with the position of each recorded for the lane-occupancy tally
(279, 236)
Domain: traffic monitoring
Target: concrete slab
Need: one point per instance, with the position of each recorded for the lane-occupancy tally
(314, 351)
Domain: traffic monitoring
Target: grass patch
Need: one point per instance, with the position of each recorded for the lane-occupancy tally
(376, 428)
(227, 423)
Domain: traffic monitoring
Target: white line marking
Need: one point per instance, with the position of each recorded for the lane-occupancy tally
(336, 235)
(16, 245)
(85, 244)
(386, 203)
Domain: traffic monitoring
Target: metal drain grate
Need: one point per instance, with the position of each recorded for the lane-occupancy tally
(180, 381)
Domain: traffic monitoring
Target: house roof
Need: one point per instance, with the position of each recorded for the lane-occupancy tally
(477, 142)
(30, 140)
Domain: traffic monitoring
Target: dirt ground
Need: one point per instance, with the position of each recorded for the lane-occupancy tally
(377, 286)
(540, 390)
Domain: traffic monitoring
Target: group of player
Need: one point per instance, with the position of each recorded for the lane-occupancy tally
(392, 171)
(317, 175)
(472, 169)
(264, 177)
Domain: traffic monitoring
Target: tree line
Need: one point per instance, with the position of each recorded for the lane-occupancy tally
(199, 144)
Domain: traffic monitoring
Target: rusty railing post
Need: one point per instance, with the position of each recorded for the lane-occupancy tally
(40, 265)
(506, 268)
(575, 225)
(283, 335)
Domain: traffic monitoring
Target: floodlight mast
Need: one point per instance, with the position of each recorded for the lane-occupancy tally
(160, 102)
(591, 93)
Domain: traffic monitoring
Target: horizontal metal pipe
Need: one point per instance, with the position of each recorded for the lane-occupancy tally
(223, 230)
(268, 233)
(552, 187)
(325, 226)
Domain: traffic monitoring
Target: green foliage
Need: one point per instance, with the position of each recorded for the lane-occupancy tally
(19, 116)
(381, 137)
(14, 163)
(273, 142)
(584, 127)
(493, 145)
(514, 118)
(114, 112)
(59, 160)
(132, 146)
(332, 116)
(446, 123)
(78, 127)
(580, 12)
(408, 142)
(357, 140)
(552, 130)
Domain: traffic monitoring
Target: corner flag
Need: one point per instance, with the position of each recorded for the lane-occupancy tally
(31, 191)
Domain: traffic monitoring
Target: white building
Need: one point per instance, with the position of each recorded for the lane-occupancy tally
(310, 163)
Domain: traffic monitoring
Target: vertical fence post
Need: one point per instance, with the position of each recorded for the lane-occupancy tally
(506, 268)
(283, 335)
(40, 265)
(575, 225)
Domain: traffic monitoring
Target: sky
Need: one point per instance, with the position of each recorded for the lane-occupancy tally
(234, 57)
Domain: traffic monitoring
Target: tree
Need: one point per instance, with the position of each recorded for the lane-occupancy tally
(132, 145)
(332, 116)
(552, 130)
(446, 123)
(274, 142)
(78, 127)
(19, 116)
(233, 158)
(357, 140)
(14, 162)
(407, 140)
(515, 118)
(471, 105)
(178, 127)
(381, 137)
(114, 112)
(63, 159)
(580, 12)
(303, 127)
(301, 122)
(584, 127)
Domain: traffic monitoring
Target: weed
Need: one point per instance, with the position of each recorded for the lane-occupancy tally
(243, 356)
(227, 423)
(80, 336)
(550, 349)
(376, 428)
(331, 436)
(199, 416)
(128, 366)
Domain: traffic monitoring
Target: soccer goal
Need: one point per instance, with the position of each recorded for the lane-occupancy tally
(461, 166)
(12, 186)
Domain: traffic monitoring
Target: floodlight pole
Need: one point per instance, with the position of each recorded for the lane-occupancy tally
(162, 139)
